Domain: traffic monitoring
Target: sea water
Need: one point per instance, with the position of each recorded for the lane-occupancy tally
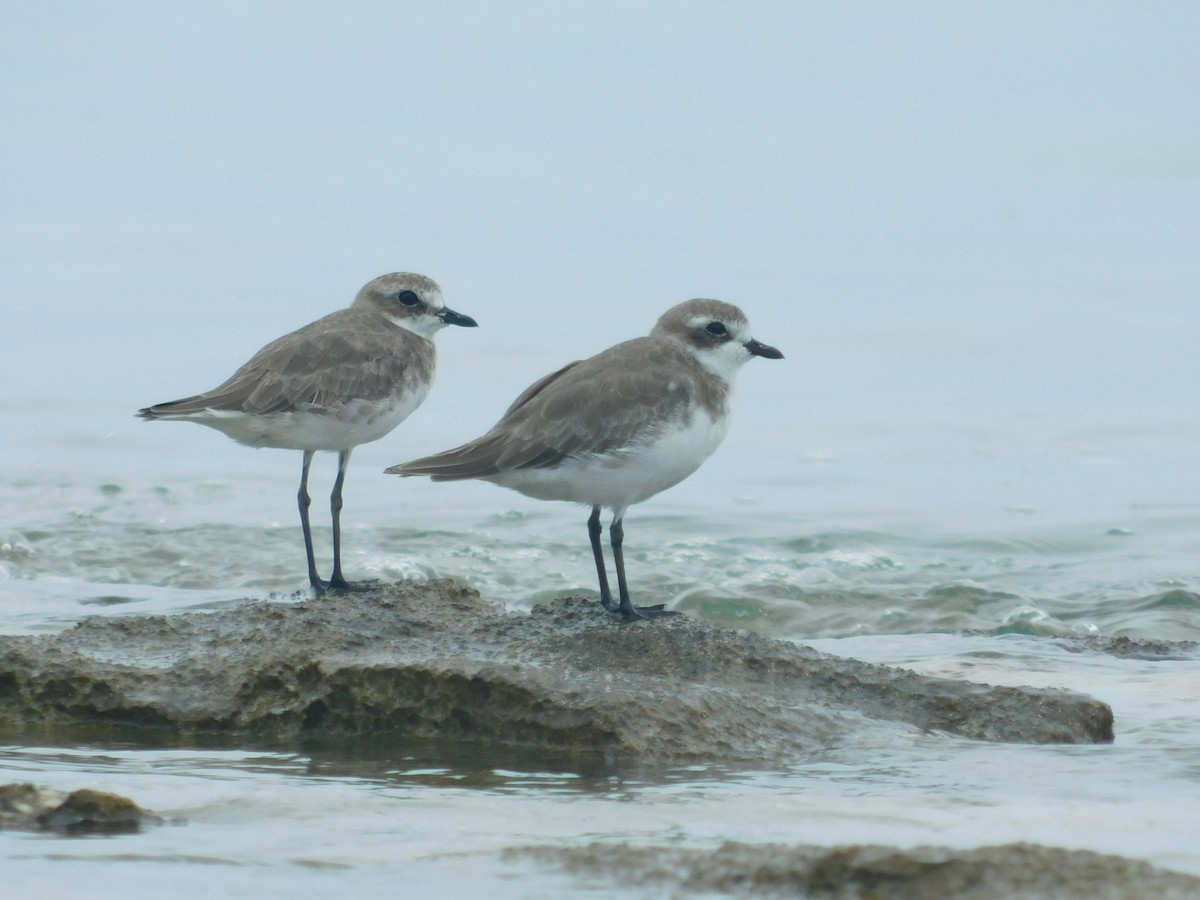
(1002, 594)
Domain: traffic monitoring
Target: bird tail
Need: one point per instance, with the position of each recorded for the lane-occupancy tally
(172, 408)
(474, 460)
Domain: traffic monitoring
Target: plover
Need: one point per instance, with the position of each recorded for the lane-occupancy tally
(617, 428)
(346, 379)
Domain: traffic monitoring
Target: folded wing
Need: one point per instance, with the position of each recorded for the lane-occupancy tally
(594, 407)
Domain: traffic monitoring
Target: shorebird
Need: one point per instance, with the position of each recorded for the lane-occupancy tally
(615, 429)
(346, 379)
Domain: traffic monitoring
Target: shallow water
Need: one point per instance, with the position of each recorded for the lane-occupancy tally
(1000, 597)
(972, 233)
(378, 816)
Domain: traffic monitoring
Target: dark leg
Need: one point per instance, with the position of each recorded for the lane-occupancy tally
(594, 529)
(616, 533)
(336, 581)
(304, 501)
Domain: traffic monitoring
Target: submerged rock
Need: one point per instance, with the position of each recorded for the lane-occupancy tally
(434, 661)
(31, 808)
(886, 873)
(1133, 648)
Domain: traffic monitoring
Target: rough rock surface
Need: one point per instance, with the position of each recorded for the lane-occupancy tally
(31, 808)
(434, 661)
(883, 873)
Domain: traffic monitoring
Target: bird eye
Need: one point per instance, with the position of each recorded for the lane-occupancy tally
(409, 299)
(716, 329)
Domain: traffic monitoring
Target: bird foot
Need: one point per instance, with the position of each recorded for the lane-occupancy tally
(630, 613)
(649, 612)
(639, 612)
(338, 584)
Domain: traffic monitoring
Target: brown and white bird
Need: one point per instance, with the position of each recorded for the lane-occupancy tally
(615, 429)
(346, 379)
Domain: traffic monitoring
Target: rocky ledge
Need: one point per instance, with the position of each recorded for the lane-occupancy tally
(884, 873)
(434, 661)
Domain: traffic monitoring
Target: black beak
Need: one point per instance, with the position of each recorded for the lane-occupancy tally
(450, 317)
(757, 348)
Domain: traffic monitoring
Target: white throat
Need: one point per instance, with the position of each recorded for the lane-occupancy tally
(423, 326)
(723, 361)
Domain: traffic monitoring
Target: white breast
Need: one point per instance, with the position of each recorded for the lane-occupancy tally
(628, 476)
(341, 428)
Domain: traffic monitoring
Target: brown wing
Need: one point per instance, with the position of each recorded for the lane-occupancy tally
(347, 355)
(597, 406)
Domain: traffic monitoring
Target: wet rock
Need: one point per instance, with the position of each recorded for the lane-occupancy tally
(883, 873)
(31, 808)
(436, 662)
(1133, 648)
